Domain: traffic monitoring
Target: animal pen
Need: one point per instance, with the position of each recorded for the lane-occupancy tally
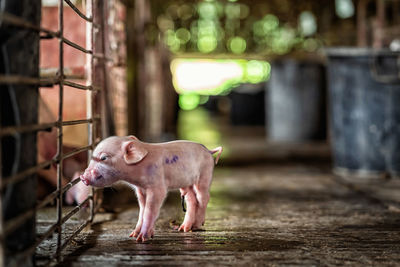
(21, 233)
(271, 203)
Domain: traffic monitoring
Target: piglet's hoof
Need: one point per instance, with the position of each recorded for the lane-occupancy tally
(134, 233)
(185, 227)
(143, 238)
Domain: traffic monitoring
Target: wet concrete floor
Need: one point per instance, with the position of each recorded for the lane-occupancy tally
(281, 214)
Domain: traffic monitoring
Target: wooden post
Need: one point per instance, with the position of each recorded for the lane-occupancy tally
(379, 24)
(362, 23)
(139, 16)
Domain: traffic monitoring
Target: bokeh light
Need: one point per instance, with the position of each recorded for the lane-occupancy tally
(237, 45)
(207, 10)
(172, 41)
(183, 35)
(307, 23)
(189, 101)
(196, 79)
(207, 44)
(205, 76)
(257, 71)
(216, 26)
(232, 11)
(344, 8)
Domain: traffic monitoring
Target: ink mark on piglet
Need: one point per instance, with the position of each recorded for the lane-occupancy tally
(172, 160)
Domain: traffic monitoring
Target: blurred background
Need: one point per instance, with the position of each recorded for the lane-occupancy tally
(242, 74)
(276, 82)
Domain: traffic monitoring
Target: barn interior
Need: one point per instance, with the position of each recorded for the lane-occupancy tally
(302, 96)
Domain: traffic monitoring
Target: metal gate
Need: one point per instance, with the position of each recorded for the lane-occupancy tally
(95, 62)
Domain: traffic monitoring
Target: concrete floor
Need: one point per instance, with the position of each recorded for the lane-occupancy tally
(280, 214)
(271, 204)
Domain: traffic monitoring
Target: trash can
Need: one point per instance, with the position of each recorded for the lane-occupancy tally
(364, 96)
(295, 101)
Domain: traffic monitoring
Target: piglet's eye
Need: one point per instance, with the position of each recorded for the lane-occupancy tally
(103, 158)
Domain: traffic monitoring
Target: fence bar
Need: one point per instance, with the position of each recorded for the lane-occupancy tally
(90, 97)
(20, 176)
(78, 86)
(54, 194)
(76, 232)
(11, 130)
(70, 184)
(75, 45)
(19, 22)
(75, 210)
(77, 11)
(67, 123)
(74, 73)
(68, 240)
(76, 151)
(51, 80)
(14, 223)
(60, 129)
(17, 79)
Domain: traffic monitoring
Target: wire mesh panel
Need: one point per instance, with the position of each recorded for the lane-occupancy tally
(61, 78)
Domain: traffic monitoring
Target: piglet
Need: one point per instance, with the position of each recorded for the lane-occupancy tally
(152, 170)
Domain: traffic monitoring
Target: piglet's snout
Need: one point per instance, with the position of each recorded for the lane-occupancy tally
(84, 178)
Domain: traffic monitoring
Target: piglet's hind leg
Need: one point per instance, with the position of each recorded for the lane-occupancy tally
(203, 196)
(191, 204)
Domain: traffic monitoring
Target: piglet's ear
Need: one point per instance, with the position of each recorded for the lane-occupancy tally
(133, 137)
(133, 153)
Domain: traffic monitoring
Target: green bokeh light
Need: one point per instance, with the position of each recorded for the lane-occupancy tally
(207, 10)
(183, 35)
(270, 23)
(257, 71)
(266, 26)
(172, 41)
(207, 44)
(253, 71)
(232, 11)
(237, 45)
(189, 101)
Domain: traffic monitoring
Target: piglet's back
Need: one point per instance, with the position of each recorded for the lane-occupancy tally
(183, 161)
(192, 150)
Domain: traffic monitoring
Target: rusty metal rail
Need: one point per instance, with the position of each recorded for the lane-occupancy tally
(92, 121)
(11, 130)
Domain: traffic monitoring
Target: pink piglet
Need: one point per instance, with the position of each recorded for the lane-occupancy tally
(152, 170)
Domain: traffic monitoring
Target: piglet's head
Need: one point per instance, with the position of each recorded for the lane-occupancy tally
(112, 160)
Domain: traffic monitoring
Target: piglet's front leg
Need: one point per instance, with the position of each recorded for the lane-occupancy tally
(142, 203)
(154, 199)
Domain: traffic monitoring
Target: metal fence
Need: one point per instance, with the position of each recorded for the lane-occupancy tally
(95, 61)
